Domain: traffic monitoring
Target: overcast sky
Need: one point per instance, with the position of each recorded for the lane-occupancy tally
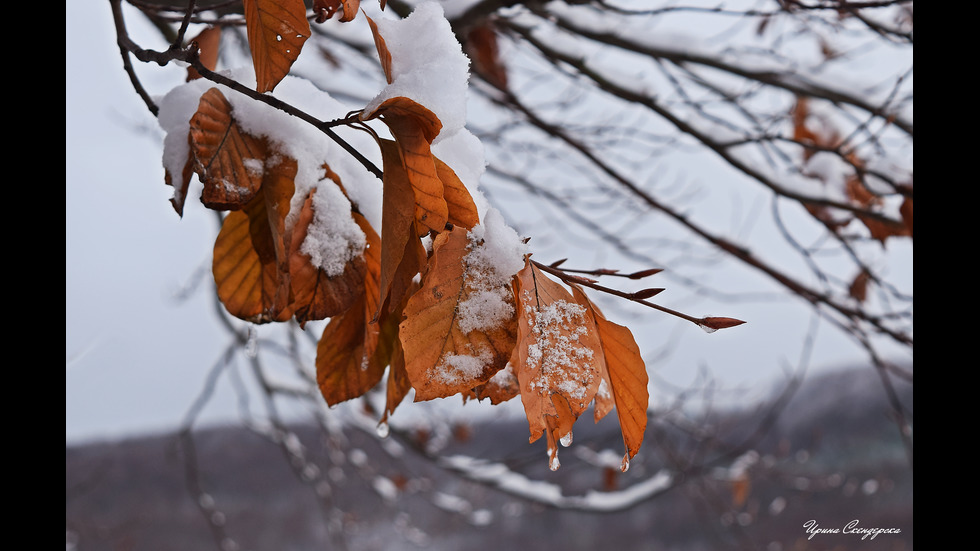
(136, 356)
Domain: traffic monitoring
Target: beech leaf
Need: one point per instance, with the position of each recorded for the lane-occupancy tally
(398, 233)
(558, 351)
(228, 161)
(383, 54)
(325, 9)
(414, 127)
(461, 209)
(250, 264)
(207, 43)
(625, 376)
(277, 30)
(481, 45)
(316, 295)
(344, 369)
(447, 353)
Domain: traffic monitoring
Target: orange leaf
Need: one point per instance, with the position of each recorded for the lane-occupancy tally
(625, 376)
(317, 295)
(250, 264)
(379, 43)
(859, 287)
(325, 9)
(740, 490)
(501, 387)
(481, 44)
(276, 30)
(353, 351)
(414, 127)
(447, 351)
(558, 351)
(398, 233)
(398, 381)
(207, 42)
(906, 211)
(344, 369)
(227, 160)
(461, 208)
(180, 195)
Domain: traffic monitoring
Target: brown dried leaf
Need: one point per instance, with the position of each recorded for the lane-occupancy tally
(379, 43)
(325, 9)
(481, 45)
(277, 30)
(398, 381)
(859, 287)
(207, 43)
(625, 375)
(461, 208)
(180, 193)
(444, 355)
(558, 351)
(398, 233)
(317, 295)
(344, 369)
(501, 387)
(353, 351)
(227, 160)
(414, 127)
(906, 211)
(250, 262)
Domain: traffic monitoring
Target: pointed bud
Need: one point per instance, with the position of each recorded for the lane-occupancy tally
(646, 293)
(644, 273)
(719, 323)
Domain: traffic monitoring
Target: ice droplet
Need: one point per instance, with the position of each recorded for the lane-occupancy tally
(554, 463)
(252, 343)
(707, 329)
(278, 38)
(383, 429)
(626, 463)
(567, 439)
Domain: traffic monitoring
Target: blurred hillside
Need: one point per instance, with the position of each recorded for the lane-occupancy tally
(832, 455)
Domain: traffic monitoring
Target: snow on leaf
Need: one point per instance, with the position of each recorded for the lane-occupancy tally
(227, 160)
(353, 352)
(277, 30)
(319, 292)
(443, 357)
(250, 264)
(559, 356)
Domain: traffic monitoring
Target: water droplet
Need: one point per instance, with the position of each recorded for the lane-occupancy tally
(278, 38)
(554, 464)
(626, 463)
(567, 439)
(383, 429)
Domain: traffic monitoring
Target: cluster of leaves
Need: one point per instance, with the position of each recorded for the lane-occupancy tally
(425, 300)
